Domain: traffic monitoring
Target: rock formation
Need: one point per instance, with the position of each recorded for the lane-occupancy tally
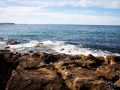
(12, 42)
(42, 71)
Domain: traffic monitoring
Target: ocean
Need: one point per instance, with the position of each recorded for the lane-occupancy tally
(99, 40)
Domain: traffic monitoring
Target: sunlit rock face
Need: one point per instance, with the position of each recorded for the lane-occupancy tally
(42, 71)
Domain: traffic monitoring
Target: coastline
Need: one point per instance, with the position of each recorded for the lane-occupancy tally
(7, 23)
(39, 70)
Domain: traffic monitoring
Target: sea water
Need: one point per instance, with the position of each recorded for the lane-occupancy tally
(99, 40)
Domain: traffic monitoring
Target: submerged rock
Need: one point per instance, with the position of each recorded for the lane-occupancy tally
(39, 45)
(12, 42)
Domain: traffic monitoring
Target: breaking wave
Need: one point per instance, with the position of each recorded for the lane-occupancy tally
(57, 47)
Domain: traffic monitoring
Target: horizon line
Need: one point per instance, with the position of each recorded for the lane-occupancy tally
(66, 24)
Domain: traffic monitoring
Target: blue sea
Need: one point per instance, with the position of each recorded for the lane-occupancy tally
(99, 40)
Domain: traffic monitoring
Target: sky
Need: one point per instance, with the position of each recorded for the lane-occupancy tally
(93, 12)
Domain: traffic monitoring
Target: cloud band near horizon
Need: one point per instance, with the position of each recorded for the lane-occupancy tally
(61, 12)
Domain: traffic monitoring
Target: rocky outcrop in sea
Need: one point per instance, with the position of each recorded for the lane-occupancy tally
(42, 71)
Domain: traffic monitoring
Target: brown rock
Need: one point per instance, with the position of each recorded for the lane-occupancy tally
(39, 45)
(92, 62)
(102, 59)
(42, 71)
(80, 63)
(6, 67)
(28, 63)
(117, 83)
(109, 72)
(90, 57)
(82, 56)
(77, 78)
(44, 56)
(16, 81)
(109, 60)
(7, 47)
(33, 73)
(30, 75)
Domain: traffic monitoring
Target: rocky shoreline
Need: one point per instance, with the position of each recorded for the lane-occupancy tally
(42, 71)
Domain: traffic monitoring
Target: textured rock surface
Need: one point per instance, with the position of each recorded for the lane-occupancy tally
(7, 64)
(33, 73)
(42, 71)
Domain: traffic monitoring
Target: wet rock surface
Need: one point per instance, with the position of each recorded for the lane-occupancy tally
(12, 42)
(42, 71)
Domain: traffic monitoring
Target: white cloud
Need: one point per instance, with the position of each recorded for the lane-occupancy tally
(38, 9)
(82, 3)
(79, 18)
(20, 10)
(107, 12)
(87, 11)
(64, 18)
(6, 16)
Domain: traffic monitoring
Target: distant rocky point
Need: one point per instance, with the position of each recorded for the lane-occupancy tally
(7, 23)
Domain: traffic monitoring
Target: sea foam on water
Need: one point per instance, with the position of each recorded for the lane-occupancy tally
(58, 47)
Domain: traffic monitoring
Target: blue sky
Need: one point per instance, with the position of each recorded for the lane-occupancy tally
(100, 12)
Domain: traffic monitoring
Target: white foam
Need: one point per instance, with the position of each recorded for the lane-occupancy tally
(21, 46)
(2, 42)
(63, 47)
(59, 47)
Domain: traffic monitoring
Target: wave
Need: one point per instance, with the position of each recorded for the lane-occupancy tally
(58, 47)
(23, 47)
(72, 49)
(2, 42)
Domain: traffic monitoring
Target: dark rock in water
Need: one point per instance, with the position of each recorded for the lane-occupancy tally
(39, 45)
(12, 42)
(7, 47)
(62, 49)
